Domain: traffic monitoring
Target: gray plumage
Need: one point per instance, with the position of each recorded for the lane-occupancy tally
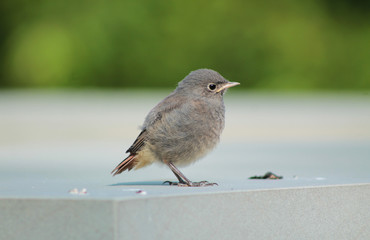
(183, 127)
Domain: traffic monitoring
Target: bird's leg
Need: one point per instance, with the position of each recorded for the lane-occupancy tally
(184, 181)
(181, 181)
(179, 178)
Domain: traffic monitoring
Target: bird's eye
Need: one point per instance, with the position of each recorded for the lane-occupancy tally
(211, 86)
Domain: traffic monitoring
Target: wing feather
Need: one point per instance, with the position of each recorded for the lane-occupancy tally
(139, 143)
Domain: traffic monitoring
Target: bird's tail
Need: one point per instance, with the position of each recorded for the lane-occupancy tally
(127, 164)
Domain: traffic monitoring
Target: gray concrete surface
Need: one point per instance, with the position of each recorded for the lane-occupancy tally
(330, 212)
(52, 142)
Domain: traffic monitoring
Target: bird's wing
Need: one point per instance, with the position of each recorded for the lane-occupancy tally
(166, 106)
(139, 142)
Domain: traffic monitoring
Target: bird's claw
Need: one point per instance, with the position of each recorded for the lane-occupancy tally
(170, 183)
(191, 184)
(202, 184)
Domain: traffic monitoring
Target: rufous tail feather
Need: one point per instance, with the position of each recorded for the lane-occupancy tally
(127, 164)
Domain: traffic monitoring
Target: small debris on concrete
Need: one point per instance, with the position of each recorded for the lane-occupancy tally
(75, 191)
(136, 190)
(141, 192)
(268, 175)
(83, 191)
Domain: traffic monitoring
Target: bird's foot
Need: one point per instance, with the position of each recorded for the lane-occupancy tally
(171, 183)
(191, 184)
(201, 184)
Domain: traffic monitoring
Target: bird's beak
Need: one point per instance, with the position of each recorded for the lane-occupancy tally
(228, 85)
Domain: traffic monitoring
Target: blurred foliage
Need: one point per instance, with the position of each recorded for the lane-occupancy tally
(262, 44)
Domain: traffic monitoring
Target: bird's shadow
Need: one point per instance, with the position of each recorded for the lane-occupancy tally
(144, 183)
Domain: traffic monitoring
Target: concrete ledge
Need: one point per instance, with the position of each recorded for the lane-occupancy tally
(55, 141)
(320, 212)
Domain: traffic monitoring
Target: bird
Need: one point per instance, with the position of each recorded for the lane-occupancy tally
(183, 127)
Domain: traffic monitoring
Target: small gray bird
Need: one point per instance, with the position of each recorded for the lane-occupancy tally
(183, 127)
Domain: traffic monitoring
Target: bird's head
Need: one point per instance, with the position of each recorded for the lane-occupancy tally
(205, 83)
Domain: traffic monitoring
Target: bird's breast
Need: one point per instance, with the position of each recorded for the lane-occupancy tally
(188, 134)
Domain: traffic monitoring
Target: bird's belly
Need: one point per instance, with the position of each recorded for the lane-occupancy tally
(185, 147)
(194, 151)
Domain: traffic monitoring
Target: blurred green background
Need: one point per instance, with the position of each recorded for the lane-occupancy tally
(286, 44)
